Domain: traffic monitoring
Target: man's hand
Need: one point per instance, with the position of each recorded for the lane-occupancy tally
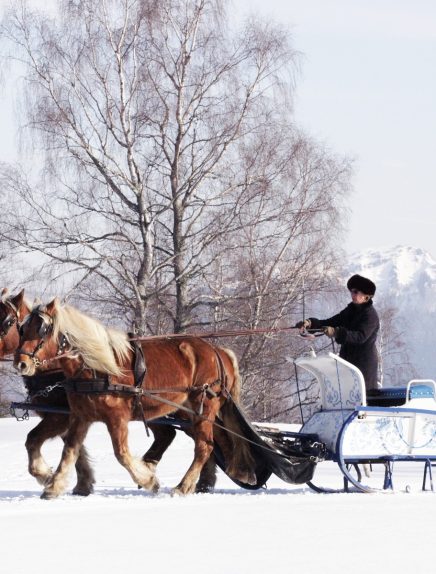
(305, 324)
(330, 332)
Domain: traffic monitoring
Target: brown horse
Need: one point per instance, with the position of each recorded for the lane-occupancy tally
(12, 311)
(46, 391)
(185, 374)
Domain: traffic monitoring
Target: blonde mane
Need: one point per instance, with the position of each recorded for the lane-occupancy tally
(101, 348)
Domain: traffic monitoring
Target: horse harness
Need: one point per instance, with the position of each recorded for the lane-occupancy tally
(43, 331)
(102, 384)
(10, 319)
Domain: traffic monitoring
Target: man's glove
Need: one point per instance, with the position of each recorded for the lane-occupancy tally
(305, 324)
(330, 332)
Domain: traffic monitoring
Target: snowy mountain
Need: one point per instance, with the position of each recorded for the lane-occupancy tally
(406, 278)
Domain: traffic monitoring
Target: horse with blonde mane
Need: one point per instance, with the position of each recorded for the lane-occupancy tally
(187, 374)
(13, 310)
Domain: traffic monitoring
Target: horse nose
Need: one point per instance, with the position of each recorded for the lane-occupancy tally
(21, 366)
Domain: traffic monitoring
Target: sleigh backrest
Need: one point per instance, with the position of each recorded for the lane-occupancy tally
(341, 384)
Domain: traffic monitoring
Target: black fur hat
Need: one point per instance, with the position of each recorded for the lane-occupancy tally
(362, 284)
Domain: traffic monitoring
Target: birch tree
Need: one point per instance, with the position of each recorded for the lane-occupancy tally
(176, 191)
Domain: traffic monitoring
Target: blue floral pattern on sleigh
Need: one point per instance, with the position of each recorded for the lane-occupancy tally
(341, 384)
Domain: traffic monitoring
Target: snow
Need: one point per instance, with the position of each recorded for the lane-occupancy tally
(406, 279)
(232, 531)
(395, 267)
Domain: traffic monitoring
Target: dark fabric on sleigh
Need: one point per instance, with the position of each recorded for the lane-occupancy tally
(397, 396)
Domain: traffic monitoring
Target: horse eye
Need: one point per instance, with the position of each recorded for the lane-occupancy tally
(44, 329)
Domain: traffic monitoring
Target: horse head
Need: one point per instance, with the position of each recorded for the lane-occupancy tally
(12, 311)
(40, 344)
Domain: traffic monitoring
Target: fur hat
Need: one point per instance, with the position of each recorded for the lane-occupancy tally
(362, 284)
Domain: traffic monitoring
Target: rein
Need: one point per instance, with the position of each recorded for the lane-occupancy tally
(215, 334)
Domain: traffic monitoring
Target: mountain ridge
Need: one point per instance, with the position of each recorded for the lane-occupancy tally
(406, 279)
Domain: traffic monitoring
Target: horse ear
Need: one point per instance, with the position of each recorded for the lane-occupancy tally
(53, 306)
(18, 299)
(17, 302)
(4, 294)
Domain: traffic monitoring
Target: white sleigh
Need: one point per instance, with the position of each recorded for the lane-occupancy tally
(355, 432)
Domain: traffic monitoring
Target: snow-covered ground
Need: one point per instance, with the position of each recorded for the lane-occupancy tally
(283, 528)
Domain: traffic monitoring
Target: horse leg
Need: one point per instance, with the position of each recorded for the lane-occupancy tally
(137, 468)
(49, 427)
(207, 480)
(73, 440)
(85, 474)
(163, 437)
(203, 439)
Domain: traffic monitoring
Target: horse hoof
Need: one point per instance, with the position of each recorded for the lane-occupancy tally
(47, 495)
(152, 485)
(81, 491)
(182, 491)
(204, 488)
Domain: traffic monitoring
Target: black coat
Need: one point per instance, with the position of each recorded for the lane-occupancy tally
(357, 329)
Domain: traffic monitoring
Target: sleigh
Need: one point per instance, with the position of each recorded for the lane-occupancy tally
(372, 430)
(357, 430)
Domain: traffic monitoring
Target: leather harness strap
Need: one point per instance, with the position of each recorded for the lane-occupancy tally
(139, 366)
(103, 385)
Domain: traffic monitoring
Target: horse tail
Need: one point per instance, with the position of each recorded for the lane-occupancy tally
(235, 388)
(240, 463)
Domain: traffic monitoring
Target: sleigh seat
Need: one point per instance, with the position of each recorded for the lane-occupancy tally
(397, 396)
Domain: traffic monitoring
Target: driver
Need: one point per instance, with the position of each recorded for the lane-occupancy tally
(355, 328)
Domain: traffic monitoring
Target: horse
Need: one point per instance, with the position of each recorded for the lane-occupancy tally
(13, 310)
(46, 391)
(183, 374)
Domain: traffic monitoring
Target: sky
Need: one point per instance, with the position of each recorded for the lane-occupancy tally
(285, 528)
(367, 90)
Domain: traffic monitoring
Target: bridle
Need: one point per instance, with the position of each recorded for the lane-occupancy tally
(10, 319)
(44, 331)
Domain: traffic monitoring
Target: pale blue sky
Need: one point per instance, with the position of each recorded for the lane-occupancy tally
(367, 89)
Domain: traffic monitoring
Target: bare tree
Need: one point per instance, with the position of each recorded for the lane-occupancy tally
(395, 366)
(86, 101)
(177, 189)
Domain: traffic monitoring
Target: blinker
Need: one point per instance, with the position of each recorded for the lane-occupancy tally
(44, 328)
